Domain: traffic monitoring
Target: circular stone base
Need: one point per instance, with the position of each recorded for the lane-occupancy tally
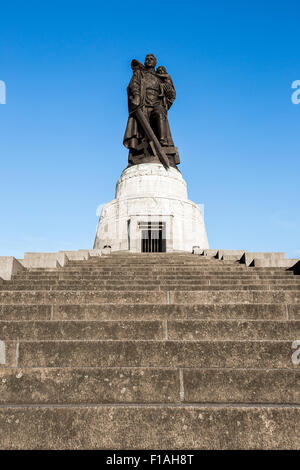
(152, 180)
(150, 198)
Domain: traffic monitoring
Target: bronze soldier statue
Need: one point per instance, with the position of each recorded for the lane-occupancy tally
(151, 93)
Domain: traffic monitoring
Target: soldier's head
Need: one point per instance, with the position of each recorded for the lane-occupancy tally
(150, 61)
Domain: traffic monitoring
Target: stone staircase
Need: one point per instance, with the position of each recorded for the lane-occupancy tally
(160, 351)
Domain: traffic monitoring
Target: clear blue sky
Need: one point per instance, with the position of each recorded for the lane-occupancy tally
(66, 66)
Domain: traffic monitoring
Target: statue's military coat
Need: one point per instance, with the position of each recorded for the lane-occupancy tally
(138, 86)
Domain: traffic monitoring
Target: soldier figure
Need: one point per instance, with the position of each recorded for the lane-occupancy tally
(152, 91)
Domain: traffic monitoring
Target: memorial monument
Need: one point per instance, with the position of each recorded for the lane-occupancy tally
(111, 351)
(151, 211)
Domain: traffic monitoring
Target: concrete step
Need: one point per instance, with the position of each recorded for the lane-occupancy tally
(146, 257)
(144, 262)
(250, 282)
(147, 262)
(158, 274)
(149, 312)
(34, 276)
(152, 426)
(158, 279)
(89, 385)
(184, 330)
(218, 287)
(156, 351)
(81, 286)
(216, 296)
(81, 297)
(144, 353)
(294, 311)
(26, 312)
(218, 267)
(139, 263)
(82, 330)
(171, 269)
(241, 330)
(140, 385)
(234, 296)
(145, 273)
(168, 277)
(174, 274)
(76, 286)
(175, 312)
(241, 386)
(29, 283)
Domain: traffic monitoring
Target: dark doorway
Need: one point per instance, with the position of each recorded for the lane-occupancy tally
(153, 237)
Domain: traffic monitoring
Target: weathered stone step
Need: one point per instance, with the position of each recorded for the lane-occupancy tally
(82, 330)
(234, 296)
(27, 275)
(170, 275)
(165, 267)
(143, 270)
(152, 267)
(241, 386)
(184, 330)
(149, 312)
(196, 261)
(63, 297)
(177, 274)
(119, 275)
(179, 312)
(217, 296)
(81, 286)
(203, 330)
(89, 385)
(155, 278)
(272, 282)
(76, 286)
(149, 262)
(142, 353)
(26, 312)
(140, 385)
(150, 282)
(150, 427)
(222, 287)
(171, 269)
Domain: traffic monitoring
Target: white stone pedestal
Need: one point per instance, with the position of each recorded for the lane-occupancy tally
(148, 195)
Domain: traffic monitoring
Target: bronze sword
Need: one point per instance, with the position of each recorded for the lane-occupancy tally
(152, 137)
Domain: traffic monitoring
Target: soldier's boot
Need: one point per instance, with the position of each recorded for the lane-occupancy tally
(162, 131)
